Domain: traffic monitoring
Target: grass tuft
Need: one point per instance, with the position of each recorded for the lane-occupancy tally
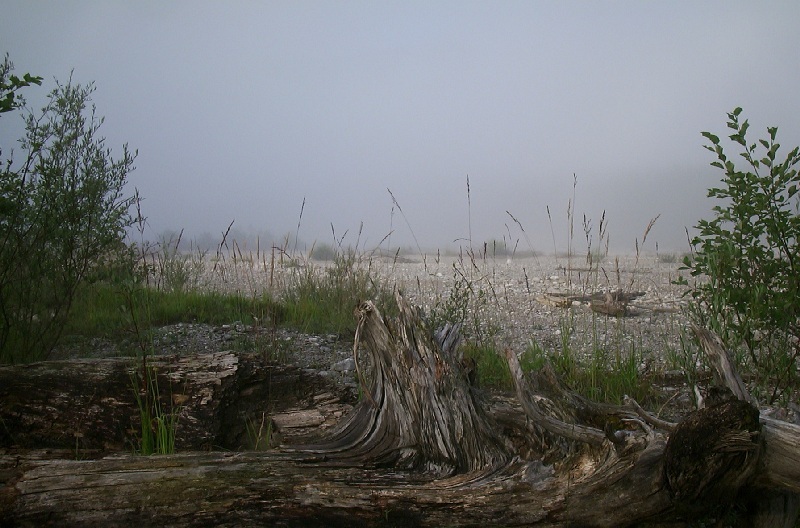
(492, 369)
(322, 299)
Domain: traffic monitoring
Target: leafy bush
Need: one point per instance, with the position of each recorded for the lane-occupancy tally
(63, 216)
(749, 253)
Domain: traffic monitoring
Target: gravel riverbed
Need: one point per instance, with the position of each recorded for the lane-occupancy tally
(519, 301)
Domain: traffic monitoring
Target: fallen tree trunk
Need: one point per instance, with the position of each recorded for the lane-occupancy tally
(424, 448)
(90, 406)
(219, 489)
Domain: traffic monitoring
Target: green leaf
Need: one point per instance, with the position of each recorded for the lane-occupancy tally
(738, 138)
(772, 131)
(32, 79)
(711, 137)
(7, 103)
(743, 128)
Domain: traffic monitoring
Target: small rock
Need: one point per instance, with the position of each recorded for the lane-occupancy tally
(346, 365)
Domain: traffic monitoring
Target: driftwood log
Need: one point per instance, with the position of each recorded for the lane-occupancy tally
(421, 447)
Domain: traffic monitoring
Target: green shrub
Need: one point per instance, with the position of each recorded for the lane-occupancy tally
(63, 215)
(668, 258)
(748, 252)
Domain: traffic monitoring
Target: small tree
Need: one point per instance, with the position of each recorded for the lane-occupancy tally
(749, 254)
(62, 213)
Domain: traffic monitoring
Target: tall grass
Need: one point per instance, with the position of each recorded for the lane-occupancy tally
(259, 433)
(491, 368)
(611, 369)
(609, 365)
(103, 310)
(158, 425)
(322, 299)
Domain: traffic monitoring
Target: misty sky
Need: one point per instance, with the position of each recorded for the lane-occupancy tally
(243, 110)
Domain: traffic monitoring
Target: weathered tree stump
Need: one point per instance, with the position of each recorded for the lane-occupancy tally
(419, 411)
(420, 448)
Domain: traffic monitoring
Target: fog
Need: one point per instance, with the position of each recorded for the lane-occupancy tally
(372, 117)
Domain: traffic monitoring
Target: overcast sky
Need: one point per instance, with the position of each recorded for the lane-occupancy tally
(243, 110)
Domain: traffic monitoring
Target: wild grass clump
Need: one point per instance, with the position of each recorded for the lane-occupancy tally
(264, 343)
(162, 289)
(158, 423)
(490, 366)
(174, 270)
(605, 365)
(668, 258)
(322, 299)
(467, 302)
(607, 373)
(323, 252)
(259, 433)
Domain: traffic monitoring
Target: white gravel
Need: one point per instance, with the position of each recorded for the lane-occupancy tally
(508, 296)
